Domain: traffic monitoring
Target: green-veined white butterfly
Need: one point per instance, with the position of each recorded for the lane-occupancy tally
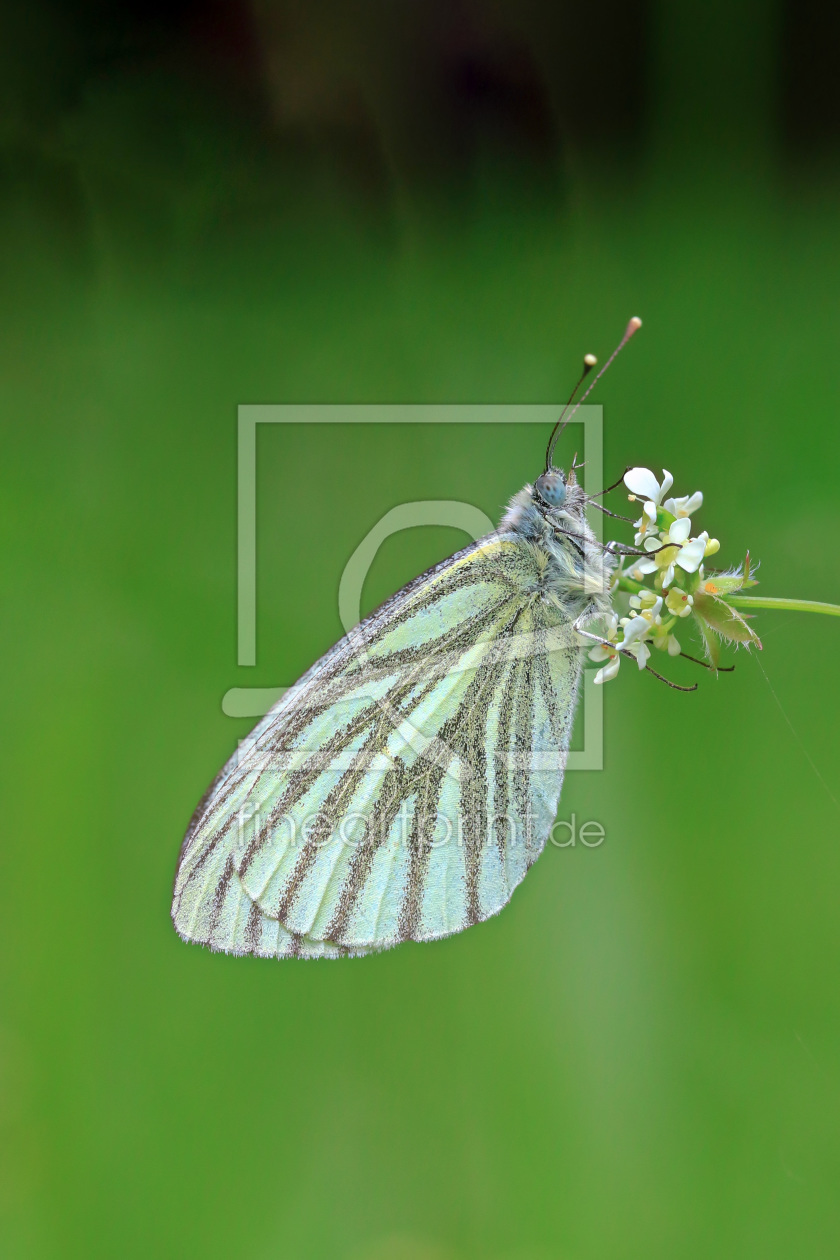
(403, 787)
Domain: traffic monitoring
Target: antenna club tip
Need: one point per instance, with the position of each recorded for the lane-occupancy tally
(633, 326)
(589, 361)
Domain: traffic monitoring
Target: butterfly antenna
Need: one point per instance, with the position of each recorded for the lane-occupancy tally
(589, 362)
(633, 327)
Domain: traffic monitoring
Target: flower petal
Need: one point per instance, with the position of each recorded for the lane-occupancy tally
(599, 654)
(641, 481)
(642, 654)
(680, 530)
(636, 628)
(606, 672)
(667, 482)
(691, 555)
(684, 505)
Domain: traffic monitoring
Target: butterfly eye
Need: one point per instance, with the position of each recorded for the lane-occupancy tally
(551, 487)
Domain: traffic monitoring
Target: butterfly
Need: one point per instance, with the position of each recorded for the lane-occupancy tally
(402, 788)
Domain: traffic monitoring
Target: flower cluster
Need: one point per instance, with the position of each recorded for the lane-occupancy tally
(666, 583)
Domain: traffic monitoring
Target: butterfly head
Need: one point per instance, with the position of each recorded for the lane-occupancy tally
(551, 487)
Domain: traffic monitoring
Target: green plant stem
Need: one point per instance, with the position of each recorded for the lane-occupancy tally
(793, 605)
(626, 583)
(749, 602)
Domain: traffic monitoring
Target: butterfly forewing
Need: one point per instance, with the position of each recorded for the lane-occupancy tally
(403, 787)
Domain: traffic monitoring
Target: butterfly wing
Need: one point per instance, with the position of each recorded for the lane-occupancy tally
(403, 787)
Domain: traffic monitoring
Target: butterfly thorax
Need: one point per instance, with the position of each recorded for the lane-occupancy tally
(574, 569)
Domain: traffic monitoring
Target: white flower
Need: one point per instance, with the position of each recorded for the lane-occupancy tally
(608, 671)
(691, 553)
(660, 636)
(680, 603)
(688, 554)
(664, 641)
(687, 557)
(641, 653)
(612, 627)
(643, 484)
(636, 630)
(644, 599)
(685, 506)
(678, 532)
(633, 644)
(639, 568)
(606, 651)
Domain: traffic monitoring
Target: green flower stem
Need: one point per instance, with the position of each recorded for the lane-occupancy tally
(626, 583)
(793, 605)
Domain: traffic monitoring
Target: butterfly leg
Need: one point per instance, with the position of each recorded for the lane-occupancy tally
(622, 549)
(615, 515)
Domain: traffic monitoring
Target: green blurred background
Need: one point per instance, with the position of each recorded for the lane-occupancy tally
(209, 204)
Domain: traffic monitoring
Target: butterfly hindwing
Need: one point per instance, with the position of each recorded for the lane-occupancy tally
(403, 787)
